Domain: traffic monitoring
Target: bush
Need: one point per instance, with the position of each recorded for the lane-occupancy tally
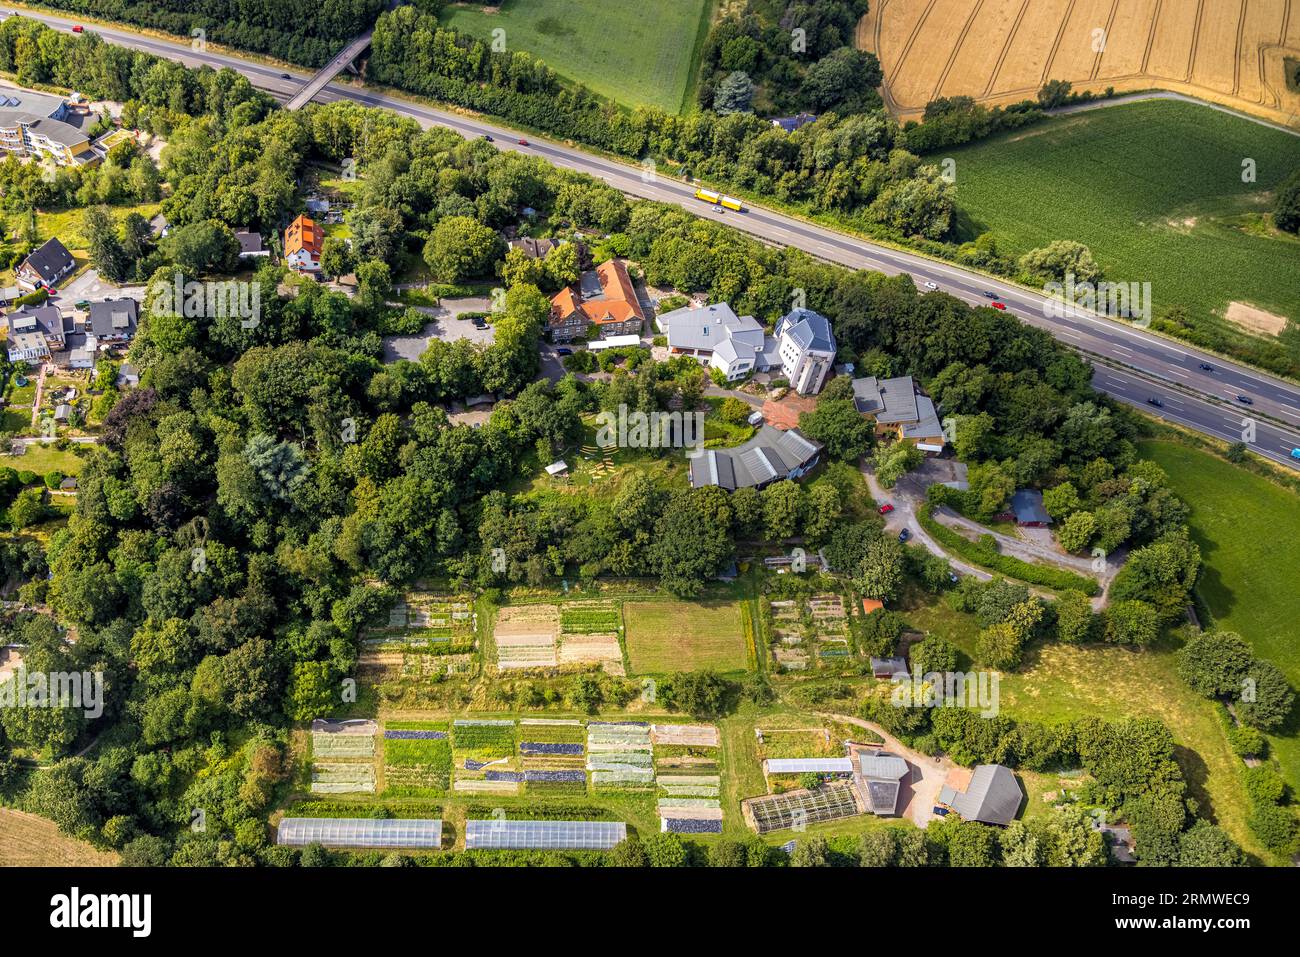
(985, 554)
(1247, 742)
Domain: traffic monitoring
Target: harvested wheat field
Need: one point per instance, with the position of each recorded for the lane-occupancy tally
(1231, 52)
(30, 841)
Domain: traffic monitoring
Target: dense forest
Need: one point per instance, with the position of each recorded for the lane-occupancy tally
(300, 31)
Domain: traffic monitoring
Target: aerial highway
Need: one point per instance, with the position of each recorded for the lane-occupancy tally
(1199, 390)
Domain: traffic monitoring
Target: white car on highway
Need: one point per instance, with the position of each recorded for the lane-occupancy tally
(931, 285)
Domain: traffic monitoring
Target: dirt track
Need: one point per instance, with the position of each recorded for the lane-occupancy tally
(1231, 52)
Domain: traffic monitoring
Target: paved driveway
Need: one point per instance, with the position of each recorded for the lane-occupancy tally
(446, 324)
(89, 285)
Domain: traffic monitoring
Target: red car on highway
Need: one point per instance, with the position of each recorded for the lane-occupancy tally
(999, 305)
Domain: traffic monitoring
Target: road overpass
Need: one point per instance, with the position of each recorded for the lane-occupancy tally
(1140, 364)
(344, 59)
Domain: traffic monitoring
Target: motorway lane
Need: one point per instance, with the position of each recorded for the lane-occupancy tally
(1227, 421)
(1120, 342)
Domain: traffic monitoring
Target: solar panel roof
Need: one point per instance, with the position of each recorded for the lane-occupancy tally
(544, 835)
(359, 832)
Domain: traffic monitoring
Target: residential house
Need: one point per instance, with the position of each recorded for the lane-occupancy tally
(37, 331)
(792, 123)
(113, 320)
(612, 307)
(127, 376)
(807, 349)
(32, 124)
(45, 266)
(900, 409)
(1027, 509)
(882, 780)
(80, 352)
(715, 336)
(770, 456)
(250, 245)
(302, 245)
(992, 796)
(534, 248)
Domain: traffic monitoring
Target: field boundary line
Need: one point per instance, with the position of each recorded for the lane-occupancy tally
(1110, 22)
(1006, 48)
(1237, 50)
(1151, 37)
(1196, 41)
(956, 50)
(1056, 44)
(916, 32)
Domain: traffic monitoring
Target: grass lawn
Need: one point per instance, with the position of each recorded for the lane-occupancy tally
(668, 636)
(1155, 189)
(1061, 682)
(44, 458)
(30, 841)
(1249, 533)
(65, 225)
(635, 54)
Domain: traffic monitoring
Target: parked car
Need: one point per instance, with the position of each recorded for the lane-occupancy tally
(886, 509)
(1245, 400)
(564, 352)
(1206, 367)
(1156, 402)
(479, 322)
(999, 305)
(904, 535)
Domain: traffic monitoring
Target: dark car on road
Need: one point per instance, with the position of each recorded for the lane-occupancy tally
(1159, 404)
(1245, 400)
(1206, 367)
(990, 295)
(564, 352)
(285, 76)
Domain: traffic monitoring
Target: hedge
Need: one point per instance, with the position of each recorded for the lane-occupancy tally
(985, 554)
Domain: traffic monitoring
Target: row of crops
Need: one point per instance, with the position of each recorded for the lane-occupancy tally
(343, 757)
(808, 631)
(688, 777)
(419, 620)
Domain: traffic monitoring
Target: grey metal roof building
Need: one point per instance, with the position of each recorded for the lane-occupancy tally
(359, 832)
(543, 835)
(993, 796)
(1027, 506)
(114, 318)
(883, 775)
(768, 457)
(891, 401)
(811, 331)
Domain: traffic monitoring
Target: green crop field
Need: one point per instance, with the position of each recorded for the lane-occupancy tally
(1155, 189)
(668, 636)
(637, 54)
(1249, 533)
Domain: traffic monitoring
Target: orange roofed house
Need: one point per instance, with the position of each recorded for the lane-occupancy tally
(615, 312)
(302, 244)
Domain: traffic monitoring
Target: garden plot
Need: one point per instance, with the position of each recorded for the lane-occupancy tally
(590, 635)
(525, 636)
(417, 759)
(552, 754)
(620, 756)
(484, 758)
(803, 631)
(423, 620)
(343, 739)
(687, 777)
(341, 778)
(831, 622)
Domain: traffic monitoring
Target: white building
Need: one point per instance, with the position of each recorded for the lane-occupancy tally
(807, 349)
